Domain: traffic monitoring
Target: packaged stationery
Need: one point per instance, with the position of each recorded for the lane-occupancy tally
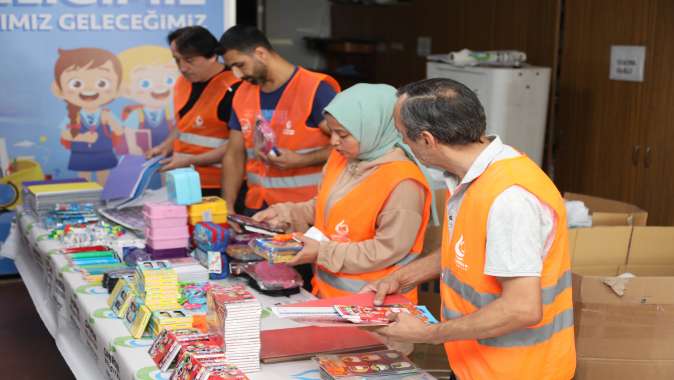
(279, 249)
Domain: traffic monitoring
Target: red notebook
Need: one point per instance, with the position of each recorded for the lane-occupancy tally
(306, 342)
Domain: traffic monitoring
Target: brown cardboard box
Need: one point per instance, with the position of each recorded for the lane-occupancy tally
(607, 212)
(433, 237)
(630, 335)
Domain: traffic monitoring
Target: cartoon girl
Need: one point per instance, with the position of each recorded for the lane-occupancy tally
(87, 79)
(149, 75)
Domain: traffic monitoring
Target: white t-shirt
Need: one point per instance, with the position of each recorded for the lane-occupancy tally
(520, 228)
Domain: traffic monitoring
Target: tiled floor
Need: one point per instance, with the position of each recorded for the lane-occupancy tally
(26, 348)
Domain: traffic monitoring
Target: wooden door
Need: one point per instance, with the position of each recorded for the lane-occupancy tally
(599, 119)
(655, 177)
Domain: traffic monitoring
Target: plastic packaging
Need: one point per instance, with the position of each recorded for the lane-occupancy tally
(209, 236)
(264, 138)
(268, 277)
(276, 250)
(242, 252)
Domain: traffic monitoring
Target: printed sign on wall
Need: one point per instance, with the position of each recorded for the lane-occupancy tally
(85, 81)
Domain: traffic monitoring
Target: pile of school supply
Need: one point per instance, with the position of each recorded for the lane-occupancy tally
(383, 364)
(137, 317)
(277, 249)
(157, 284)
(69, 213)
(169, 320)
(184, 186)
(121, 296)
(166, 232)
(234, 313)
(93, 261)
(112, 276)
(188, 270)
(41, 198)
(169, 343)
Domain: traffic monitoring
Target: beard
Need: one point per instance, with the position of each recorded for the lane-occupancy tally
(259, 75)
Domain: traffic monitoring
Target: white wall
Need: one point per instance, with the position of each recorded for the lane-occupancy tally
(287, 21)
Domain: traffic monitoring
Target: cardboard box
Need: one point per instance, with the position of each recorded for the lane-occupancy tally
(630, 335)
(607, 212)
(433, 237)
(607, 241)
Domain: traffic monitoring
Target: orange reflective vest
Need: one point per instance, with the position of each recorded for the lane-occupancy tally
(543, 351)
(267, 183)
(200, 130)
(353, 218)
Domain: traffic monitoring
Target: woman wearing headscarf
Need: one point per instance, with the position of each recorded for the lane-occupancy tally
(373, 204)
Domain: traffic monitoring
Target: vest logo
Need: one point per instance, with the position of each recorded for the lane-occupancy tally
(288, 129)
(245, 126)
(341, 232)
(199, 122)
(460, 254)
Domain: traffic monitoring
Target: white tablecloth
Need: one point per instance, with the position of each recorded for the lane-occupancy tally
(94, 343)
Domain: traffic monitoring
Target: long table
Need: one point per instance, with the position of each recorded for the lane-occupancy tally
(93, 341)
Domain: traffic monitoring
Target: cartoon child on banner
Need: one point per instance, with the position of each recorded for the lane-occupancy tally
(149, 75)
(87, 79)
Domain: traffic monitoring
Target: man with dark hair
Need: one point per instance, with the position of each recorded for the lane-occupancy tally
(284, 103)
(504, 261)
(202, 100)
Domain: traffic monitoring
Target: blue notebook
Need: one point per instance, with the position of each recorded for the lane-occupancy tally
(129, 179)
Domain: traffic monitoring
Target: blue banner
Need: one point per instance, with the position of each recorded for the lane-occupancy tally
(85, 81)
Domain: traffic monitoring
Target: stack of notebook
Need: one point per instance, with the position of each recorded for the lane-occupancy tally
(41, 198)
(384, 364)
(157, 283)
(189, 269)
(235, 314)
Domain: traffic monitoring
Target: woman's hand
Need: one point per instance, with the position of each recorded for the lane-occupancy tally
(308, 254)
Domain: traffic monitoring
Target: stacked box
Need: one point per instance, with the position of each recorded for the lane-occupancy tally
(157, 284)
(210, 209)
(166, 232)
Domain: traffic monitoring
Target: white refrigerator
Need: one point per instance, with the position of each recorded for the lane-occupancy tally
(515, 101)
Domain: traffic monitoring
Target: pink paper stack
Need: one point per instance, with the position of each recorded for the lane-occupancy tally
(166, 229)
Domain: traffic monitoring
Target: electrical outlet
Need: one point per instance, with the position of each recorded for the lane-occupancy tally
(423, 46)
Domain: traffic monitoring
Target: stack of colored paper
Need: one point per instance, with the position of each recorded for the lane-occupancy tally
(235, 314)
(170, 320)
(157, 284)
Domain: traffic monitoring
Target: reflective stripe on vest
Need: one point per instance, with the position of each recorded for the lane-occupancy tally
(524, 337)
(479, 300)
(352, 285)
(250, 152)
(346, 284)
(205, 141)
(284, 182)
(181, 154)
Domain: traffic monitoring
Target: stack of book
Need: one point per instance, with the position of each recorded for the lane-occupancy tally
(170, 320)
(235, 314)
(189, 269)
(157, 284)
